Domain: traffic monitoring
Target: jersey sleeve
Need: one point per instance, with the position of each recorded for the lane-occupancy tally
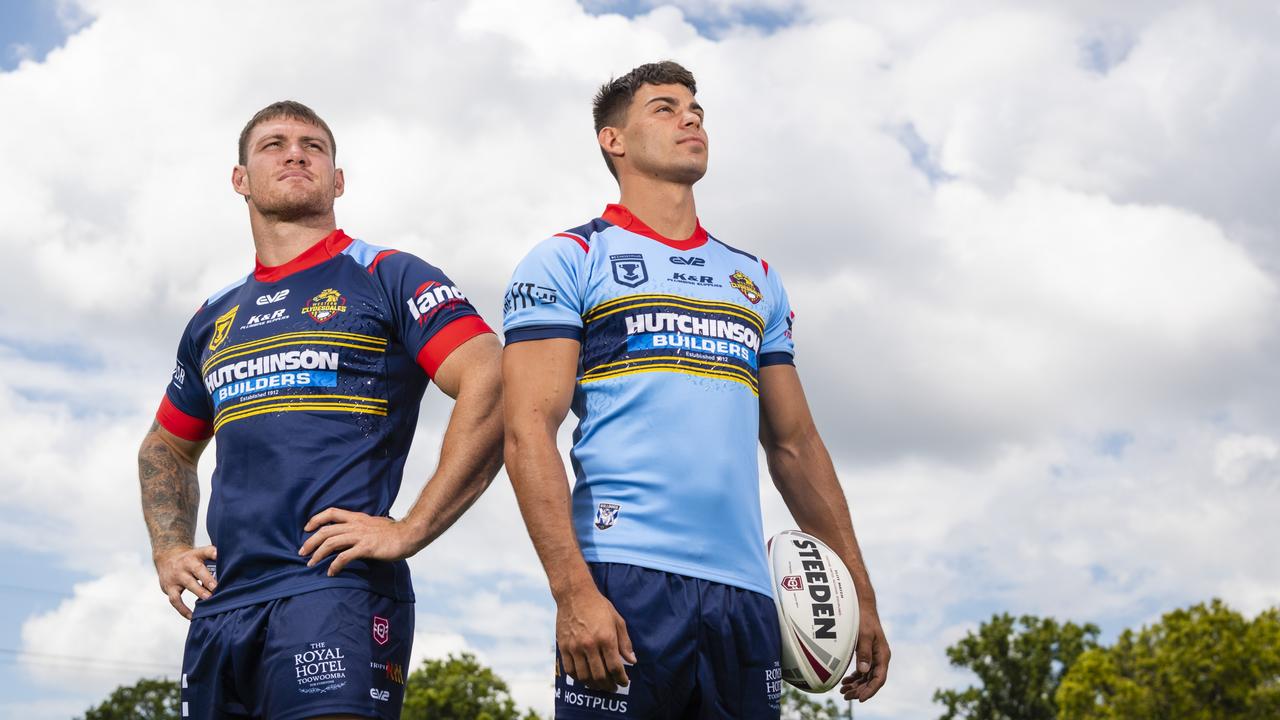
(185, 409)
(778, 347)
(432, 316)
(544, 299)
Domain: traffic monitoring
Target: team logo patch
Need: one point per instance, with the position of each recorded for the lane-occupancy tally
(792, 583)
(606, 515)
(745, 286)
(326, 306)
(221, 327)
(381, 630)
(629, 269)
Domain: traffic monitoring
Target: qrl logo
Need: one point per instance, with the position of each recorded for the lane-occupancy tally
(381, 630)
(792, 583)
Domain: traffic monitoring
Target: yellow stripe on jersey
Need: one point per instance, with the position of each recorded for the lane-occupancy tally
(211, 365)
(299, 407)
(297, 398)
(683, 369)
(315, 334)
(709, 365)
(629, 302)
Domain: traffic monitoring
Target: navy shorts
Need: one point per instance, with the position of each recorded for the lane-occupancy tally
(324, 652)
(703, 650)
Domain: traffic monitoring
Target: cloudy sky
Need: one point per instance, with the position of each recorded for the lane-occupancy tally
(1032, 248)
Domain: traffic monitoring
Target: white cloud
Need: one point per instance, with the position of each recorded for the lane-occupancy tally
(1044, 363)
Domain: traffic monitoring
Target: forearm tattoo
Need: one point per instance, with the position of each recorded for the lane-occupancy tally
(170, 495)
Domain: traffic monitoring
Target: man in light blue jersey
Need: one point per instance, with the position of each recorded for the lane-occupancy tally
(675, 352)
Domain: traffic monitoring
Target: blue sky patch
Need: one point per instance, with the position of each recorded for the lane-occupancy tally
(29, 29)
(710, 22)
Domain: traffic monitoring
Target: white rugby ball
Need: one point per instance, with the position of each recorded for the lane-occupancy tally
(817, 609)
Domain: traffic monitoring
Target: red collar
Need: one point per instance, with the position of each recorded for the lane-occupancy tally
(622, 217)
(333, 244)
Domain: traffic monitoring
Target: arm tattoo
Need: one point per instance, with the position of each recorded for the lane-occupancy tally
(170, 494)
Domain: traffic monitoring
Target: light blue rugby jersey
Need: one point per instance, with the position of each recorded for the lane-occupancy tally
(673, 336)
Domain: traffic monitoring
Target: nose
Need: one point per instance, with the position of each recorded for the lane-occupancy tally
(296, 155)
(692, 119)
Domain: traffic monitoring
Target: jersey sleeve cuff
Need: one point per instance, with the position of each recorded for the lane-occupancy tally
(447, 339)
(543, 332)
(777, 358)
(181, 424)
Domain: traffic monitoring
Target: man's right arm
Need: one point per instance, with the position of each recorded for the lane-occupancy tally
(170, 501)
(538, 381)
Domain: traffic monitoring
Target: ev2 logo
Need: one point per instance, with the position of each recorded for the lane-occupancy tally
(694, 261)
(376, 694)
(274, 298)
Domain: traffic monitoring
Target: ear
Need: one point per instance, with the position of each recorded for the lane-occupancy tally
(339, 182)
(611, 142)
(240, 180)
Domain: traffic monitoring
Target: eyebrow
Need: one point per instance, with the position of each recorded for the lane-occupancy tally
(305, 138)
(672, 101)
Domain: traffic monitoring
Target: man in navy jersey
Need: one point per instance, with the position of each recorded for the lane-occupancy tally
(675, 351)
(309, 371)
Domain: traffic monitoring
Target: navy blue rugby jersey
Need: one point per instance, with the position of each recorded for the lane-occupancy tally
(310, 376)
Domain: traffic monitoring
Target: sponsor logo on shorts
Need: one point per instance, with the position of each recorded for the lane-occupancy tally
(430, 298)
(743, 284)
(273, 297)
(222, 327)
(393, 671)
(614, 702)
(629, 269)
(773, 684)
(265, 318)
(320, 668)
(792, 583)
(606, 515)
(526, 295)
(381, 630)
(325, 306)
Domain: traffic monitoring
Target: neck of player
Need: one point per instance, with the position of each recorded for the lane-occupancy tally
(666, 207)
(278, 241)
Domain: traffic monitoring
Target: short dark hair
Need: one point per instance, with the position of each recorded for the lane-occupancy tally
(292, 110)
(609, 109)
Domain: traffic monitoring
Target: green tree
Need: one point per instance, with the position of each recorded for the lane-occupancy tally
(799, 705)
(145, 700)
(1019, 664)
(1206, 662)
(458, 688)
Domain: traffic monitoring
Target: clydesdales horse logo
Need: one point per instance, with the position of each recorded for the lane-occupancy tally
(221, 327)
(326, 306)
(381, 630)
(745, 285)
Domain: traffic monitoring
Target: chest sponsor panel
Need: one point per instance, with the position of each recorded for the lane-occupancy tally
(672, 333)
(307, 371)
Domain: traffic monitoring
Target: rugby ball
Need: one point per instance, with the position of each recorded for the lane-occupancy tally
(817, 610)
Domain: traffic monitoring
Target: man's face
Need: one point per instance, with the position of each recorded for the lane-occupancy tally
(663, 135)
(289, 171)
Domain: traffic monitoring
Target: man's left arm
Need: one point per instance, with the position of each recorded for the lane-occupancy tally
(469, 458)
(803, 473)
